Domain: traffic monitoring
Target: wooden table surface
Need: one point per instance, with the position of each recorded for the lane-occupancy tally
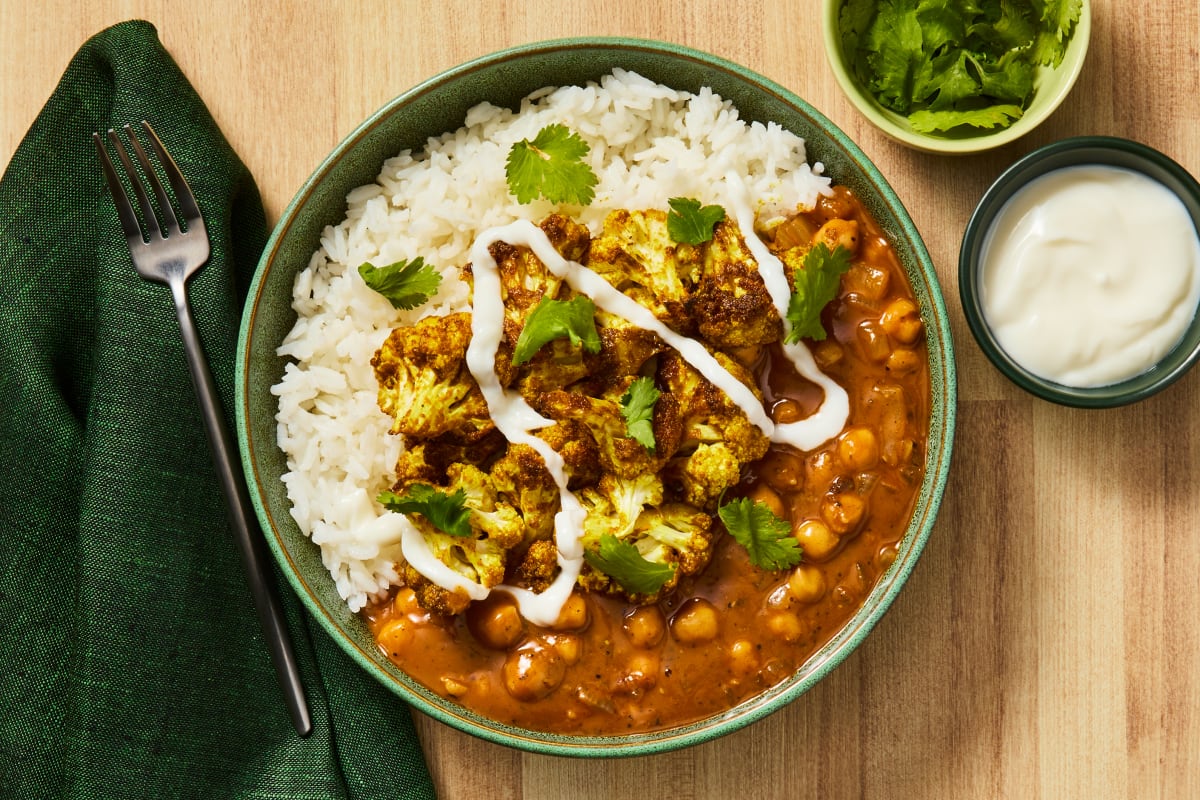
(1048, 643)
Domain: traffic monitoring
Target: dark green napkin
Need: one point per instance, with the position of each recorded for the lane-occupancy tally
(131, 661)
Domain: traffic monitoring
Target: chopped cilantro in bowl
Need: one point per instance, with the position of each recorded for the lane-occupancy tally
(956, 75)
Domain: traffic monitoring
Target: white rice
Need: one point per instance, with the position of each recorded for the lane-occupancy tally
(648, 143)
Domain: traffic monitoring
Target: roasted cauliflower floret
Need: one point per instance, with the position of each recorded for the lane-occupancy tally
(536, 568)
(619, 454)
(521, 478)
(424, 383)
(615, 503)
(432, 597)
(676, 533)
(707, 473)
(633, 511)
(580, 453)
(731, 304)
(495, 519)
(524, 279)
(707, 415)
(496, 528)
(635, 253)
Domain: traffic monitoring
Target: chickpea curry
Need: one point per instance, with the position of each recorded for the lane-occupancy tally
(670, 616)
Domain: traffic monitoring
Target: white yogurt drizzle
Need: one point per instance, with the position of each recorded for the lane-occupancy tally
(516, 419)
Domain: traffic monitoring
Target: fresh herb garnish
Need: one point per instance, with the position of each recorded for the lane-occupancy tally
(556, 319)
(815, 285)
(951, 63)
(407, 284)
(637, 407)
(551, 166)
(447, 512)
(689, 222)
(767, 538)
(622, 562)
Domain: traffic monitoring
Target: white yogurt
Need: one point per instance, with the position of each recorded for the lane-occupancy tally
(1090, 274)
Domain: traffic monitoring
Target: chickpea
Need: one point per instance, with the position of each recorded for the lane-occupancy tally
(695, 622)
(828, 353)
(838, 204)
(786, 626)
(645, 626)
(405, 602)
(816, 539)
(839, 233)
(873, 340)
(533, 672)
(858, 448)
(640, 673)
(743, 658)
(782, 471)
(568, 645)
(761, 493)
(902, 320)
(843, 512)
(902, 361)
(806, 584)
(496, 622)
(454, 687)
(821, 468)
(396, 635)
(785, 411)
(574, 615)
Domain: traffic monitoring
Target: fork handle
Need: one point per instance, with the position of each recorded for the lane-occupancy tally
(237, 501)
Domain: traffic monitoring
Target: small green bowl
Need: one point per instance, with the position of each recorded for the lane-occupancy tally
(1081, 150)
(1052, 85)
(439, 105)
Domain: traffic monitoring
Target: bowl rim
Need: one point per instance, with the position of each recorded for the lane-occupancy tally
(825, 659)
(893, 125)
(1061, 154)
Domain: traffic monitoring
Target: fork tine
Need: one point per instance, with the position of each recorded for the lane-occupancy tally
(165, 211)
(152, 227)
(129, 220)
(179, 184)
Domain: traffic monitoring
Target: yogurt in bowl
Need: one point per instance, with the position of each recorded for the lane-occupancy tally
(1080, 272)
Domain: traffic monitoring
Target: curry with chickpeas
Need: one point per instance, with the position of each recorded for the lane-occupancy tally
(721, 628)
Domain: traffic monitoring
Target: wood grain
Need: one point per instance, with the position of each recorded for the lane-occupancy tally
(1047, 644)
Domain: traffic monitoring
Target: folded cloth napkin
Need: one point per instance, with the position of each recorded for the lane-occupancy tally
(131, 661)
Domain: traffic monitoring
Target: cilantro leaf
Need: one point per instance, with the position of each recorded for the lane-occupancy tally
(637, 407)
(767, 538)
(447, 512)
(689, 222)
(928, 121)
(407, 284)
(953, 64)
(551, 166)
(556, 319)
(622, 562)
(816, 285)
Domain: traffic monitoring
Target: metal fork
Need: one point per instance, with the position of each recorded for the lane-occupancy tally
(165, 252)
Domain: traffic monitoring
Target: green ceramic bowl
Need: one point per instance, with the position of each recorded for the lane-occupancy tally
(1052, 87)
(439, 105)
(1080, 150)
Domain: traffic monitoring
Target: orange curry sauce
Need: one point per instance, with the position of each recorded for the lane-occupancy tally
(732, 631)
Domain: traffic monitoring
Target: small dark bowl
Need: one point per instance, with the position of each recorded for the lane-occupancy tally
(1102, 150)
